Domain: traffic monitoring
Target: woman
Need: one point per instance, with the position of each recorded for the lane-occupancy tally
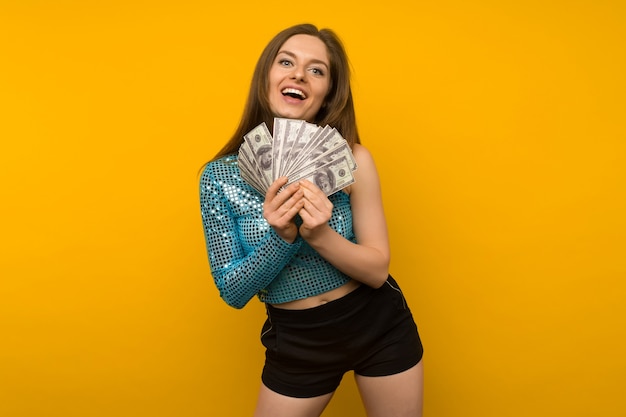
(320, 264)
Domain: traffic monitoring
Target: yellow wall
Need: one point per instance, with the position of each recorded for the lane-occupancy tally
(499, 131)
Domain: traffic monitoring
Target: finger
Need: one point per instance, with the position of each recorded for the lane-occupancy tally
(310, 186)
(272, 190)
(281, 212)
(292, 206)
(312, 219)
(277, 195)
(313, 192)
(316, 197)
(290, 197)
(316, 209)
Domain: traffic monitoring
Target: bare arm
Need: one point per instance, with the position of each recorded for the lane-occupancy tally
(368, 259)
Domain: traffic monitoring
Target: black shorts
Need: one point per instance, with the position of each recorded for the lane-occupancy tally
(370, 331)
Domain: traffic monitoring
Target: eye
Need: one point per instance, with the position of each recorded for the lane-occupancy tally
(316, 71)
(284, 62)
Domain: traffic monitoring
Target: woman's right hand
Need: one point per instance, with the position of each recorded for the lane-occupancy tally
(280, 208)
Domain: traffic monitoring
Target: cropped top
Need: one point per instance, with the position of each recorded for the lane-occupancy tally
(247, 257)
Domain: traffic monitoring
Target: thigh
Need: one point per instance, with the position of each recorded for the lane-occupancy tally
(272, 404)
(398, 395)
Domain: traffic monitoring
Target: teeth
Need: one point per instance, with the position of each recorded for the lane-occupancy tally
(294, 91)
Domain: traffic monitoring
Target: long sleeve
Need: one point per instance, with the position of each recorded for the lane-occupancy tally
(245, 253)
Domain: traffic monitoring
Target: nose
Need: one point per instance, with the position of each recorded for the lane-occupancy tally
(298, 73)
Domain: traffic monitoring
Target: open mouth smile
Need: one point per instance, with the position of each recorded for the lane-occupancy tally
(293, 92)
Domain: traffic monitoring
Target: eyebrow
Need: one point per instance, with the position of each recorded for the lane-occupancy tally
(315, 61)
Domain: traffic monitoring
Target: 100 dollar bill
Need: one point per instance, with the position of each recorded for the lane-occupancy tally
(330, 177)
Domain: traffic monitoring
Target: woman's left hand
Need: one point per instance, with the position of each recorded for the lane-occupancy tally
(316, 211)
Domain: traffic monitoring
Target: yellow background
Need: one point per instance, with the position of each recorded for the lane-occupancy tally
(498, 128)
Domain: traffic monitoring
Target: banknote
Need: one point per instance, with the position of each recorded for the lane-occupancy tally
(306, 133)
(259, 142)
(298, 150)
(285, 133)
(330, 178)
(250, 172)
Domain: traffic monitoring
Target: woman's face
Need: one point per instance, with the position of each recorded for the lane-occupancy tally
(299, 78)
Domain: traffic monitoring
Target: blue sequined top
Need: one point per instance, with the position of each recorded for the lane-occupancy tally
(247, 256)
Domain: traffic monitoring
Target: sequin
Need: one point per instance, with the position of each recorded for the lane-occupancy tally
(247, 257)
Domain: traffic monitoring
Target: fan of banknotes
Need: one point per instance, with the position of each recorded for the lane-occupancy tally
(298, 150)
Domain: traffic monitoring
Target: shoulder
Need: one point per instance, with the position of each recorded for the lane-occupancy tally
(362, 154)
(366, 168)
(223, 164)
(218, 171)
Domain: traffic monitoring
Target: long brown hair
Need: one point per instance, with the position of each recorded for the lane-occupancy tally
(338, 108)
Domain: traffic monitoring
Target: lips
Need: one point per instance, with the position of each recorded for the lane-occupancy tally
(294, 92)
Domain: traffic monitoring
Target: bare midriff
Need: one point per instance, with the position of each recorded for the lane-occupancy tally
(320, 299)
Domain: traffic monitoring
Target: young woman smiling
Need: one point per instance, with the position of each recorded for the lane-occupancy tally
(320, 264)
